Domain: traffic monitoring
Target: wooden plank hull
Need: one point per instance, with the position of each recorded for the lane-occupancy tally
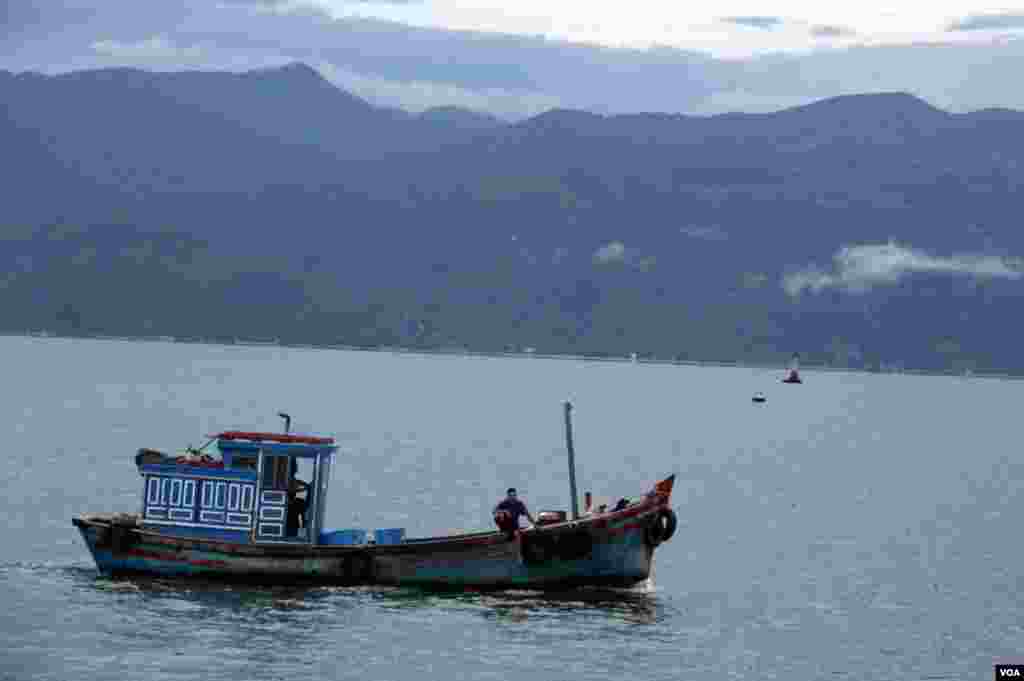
(613, 549)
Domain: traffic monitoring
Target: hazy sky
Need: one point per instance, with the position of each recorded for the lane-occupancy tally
(517, 59)
(723, 28)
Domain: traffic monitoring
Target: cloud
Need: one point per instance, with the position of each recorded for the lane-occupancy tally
(753, 280)
(704, 232)
(857, 269)
(257, 3)
(614, 252)
(988, 22)
(418, 96)
(828, 31)
(154, 48)
(762, 23)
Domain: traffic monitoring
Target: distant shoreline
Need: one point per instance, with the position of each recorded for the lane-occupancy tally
(462, 352)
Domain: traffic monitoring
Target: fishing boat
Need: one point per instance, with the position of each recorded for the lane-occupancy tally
(236, 514)
(794, 370)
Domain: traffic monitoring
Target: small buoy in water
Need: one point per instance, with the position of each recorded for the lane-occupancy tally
(758, 397)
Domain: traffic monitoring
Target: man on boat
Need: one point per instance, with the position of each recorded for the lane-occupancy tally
(296, 507)
(508, 511)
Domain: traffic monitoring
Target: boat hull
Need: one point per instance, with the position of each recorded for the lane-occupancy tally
(610, 550)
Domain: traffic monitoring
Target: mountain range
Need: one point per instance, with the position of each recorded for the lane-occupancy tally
(862, 230)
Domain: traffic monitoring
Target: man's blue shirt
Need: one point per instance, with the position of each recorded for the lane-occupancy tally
(513, 506)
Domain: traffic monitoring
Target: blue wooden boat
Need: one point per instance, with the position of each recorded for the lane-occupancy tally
(240, 515)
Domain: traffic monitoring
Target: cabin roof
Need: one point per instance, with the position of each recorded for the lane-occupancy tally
(302, 446)
(284, 438)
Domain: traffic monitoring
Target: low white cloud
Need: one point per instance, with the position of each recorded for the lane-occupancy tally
(749, 102)
(616, 253)
(610, 253)
(989, 22)
(762, 23)
(753, 279)
(419, 95)
(830, 31)
(704, 232)
(157, 47)
(859, 268)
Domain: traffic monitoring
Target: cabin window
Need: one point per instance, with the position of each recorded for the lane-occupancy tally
(176, 492)
(239, 461)
(153, 494)
(190, 493)
(234, 496)
(248, 495)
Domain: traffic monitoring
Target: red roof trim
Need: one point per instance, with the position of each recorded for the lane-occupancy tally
(275, 437)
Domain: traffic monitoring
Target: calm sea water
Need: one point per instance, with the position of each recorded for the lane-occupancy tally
(855, 527)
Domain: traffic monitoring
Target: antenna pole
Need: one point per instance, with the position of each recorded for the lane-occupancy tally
(572, 459)
(287, 421)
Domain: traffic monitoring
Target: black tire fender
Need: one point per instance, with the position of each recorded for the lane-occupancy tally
(661, 526)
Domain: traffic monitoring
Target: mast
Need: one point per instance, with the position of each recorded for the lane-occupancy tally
(572, 459)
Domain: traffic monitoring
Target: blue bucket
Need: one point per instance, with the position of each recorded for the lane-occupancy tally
(336, 537)
(393, 535)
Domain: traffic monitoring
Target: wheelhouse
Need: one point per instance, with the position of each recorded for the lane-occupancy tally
(252, 493)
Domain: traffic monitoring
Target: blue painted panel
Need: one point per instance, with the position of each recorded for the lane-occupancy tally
(270, 496)
(271, 530)
(212, 517)
(272, 513)
(179, 501)
(244, 519)
(240, 536)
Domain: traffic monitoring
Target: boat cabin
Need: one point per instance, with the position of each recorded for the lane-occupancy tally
(252, 493)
